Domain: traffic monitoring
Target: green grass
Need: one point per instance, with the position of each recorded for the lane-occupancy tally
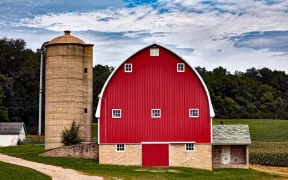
(31, 152)
(95, 131)
(263, 130)
(13, 172)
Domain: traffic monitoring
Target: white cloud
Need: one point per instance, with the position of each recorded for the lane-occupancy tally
(184, 27)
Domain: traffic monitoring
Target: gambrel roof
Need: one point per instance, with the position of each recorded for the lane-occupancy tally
(231, 135)
(11, 128)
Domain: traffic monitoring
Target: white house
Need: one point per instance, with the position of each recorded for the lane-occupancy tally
(10, 132)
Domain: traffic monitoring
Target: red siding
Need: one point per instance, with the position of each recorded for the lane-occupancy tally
(155, 84)
(155, 155)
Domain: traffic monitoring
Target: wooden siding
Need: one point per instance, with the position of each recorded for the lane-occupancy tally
(155, 84)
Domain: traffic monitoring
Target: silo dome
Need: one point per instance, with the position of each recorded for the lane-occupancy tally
(66, 39)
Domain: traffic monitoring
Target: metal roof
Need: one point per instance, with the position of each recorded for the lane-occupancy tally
(10, 128)
(231, 135)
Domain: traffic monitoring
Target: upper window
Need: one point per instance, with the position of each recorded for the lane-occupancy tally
(154, 52)
(116, 113)
(189, 147)
(120, 147)
(180, 67)
(193, 112)
(128, 67)
(156, 113)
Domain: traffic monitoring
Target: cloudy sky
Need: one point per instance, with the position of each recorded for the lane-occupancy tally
(235, 34)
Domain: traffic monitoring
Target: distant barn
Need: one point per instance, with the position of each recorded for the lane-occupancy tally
(11, 132)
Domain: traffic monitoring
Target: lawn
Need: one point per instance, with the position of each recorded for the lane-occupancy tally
(263, 130)
(31, 152)
(13, 172)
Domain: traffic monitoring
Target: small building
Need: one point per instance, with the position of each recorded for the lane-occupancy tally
(155, 110)
(231, 146)
(11, 132)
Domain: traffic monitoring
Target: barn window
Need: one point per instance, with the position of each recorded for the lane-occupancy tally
(193, 112)
(120, 147)
(156, 113)
(116, 113)
(128, 67)
(190, 147)
(154, 52)
(180, 67)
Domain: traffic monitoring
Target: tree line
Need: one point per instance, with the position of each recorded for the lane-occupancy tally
(256, 93)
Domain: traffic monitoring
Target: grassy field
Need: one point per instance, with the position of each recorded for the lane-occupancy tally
(263, 130)
(13, 172)
(31, 152)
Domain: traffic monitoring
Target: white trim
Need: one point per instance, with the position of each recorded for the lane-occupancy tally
(173, 142)
(155, 116)
(125, 67)
(190, 150)
(183, 67)
(120, 151)
(97, 114)
(211, 131)
(117, 110)
(98, 124)
(192, 115)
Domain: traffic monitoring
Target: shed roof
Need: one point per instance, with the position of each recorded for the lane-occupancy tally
(231, 135)
(11, 127)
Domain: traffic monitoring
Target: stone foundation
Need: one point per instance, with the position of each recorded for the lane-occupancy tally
(200, 158)
(89, 151)
(109, 155)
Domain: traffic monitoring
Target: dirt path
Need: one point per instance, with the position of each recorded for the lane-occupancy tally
(57, 173)
(281, 171)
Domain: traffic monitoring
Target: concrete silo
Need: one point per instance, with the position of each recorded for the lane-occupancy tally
(68, 88)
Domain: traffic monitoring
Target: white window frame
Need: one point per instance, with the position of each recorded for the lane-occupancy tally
(154, 51)
(192, 113)
(117, 110)
(118, 149)
(125, 67)
(156, 110)
(178, 67)
(188, 149)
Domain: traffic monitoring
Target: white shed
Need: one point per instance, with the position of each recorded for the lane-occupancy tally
(10, 132)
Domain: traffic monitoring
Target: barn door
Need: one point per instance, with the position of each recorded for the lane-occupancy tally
(155, 154)
(226, 154)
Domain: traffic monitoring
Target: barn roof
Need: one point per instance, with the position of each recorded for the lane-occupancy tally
(97, 114)
(11, 128)
(231, 135)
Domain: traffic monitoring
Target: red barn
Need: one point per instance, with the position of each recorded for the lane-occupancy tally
(155, 110)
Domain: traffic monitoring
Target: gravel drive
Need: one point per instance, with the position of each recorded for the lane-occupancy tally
(57, 173)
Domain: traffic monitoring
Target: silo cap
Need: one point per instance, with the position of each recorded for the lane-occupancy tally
(66, 39)
(67, 32)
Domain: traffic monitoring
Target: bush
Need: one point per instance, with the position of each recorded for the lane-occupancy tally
(71, 136)
(269, 159)
(32, 139)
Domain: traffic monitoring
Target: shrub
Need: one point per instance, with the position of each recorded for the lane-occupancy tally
(269, 159)
(71, 136)
(32, 139)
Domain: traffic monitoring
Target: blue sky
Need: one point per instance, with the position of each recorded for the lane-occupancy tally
(230, 33)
